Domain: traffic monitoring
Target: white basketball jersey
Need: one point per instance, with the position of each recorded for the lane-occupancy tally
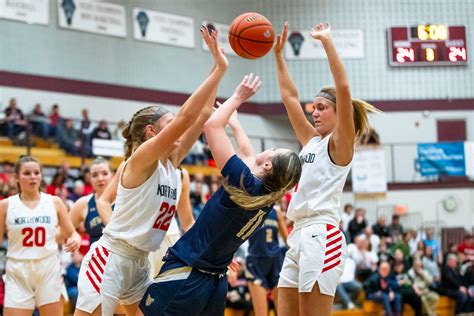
(31, 233)
(317, 197)
(174, 228)
(143, 215)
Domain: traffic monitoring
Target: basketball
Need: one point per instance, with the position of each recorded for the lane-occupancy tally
(251, 35)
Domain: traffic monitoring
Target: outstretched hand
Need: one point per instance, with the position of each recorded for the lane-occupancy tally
(281, 40)
(322, 31)
(212, 43)
(247, 88)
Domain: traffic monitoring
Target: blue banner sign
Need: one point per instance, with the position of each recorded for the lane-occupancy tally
(442, 159)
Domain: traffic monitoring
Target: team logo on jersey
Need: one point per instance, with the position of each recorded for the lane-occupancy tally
(149, 300)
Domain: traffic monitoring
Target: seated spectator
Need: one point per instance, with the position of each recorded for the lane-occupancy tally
(349, 288)
(395, 229)
(434, 243)
(15, 119)
(357, 224)
(196, 155)
(373, 239)
(117, 133)
(365, 260)
(413, 241)
(346, 217)
(55, 120)
(419, 251)
(410, 294)
(39, 122)
(101, 131)
(77, 192)
(86, 178)
(238, 296)
(71, 277)
(398, 257)
(452, 249)
(384, 254)
(198, 191)
(380, 228)
(381, 289)
(466, 248)
(403, 246)
(454, 286)
(431, 266)
(423, 281)
(68, 138)
(57, 185)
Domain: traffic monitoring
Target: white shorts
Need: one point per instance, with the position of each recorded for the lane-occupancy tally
(107, 279)
(156, 257)
(317, 253)
(33, 283)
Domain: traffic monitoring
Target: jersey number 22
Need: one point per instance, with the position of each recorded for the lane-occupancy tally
(165, 215)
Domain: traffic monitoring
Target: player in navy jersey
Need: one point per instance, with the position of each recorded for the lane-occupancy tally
(84, 211)
(264, 261)
(192, 281)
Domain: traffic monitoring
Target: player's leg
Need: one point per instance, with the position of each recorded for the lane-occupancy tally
(315, 303)
(9, 311)
(96, 312)
(131, 310)
(53, 309)
(288, 301)
(275, 298)
(259, 299)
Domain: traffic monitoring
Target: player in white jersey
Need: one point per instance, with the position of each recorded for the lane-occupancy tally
(30, 219)
(156, 143)
(186, 220)
(315, 259)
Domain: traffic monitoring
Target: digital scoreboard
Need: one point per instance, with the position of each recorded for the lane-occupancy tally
(427, 45)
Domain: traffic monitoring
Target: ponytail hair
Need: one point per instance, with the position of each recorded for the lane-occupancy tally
(285, 174)
(361, 111)
(134, 131)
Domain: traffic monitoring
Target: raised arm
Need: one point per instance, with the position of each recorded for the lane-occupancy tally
(143, 160)
(289, 93)
(343, 137)
(184, 209)
(244, 145)
(73, 239)
(219, 143)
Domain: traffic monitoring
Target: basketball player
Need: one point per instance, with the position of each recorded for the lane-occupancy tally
(84, 212)
(317, 248)
(30, 219)
(192, 281)
(146, 197)
(264, 261)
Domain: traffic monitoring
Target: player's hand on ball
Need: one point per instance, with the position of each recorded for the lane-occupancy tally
(73, 243)
(281, 40)
(212, 43)
(321, 31)
(247, 88)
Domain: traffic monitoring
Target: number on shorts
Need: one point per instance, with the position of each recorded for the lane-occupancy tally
(34, 237)
(165, 215)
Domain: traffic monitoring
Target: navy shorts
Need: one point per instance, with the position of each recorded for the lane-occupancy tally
(264, 271)
(185, 291)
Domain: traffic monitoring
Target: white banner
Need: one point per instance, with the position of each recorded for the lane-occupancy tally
(368, 170)
(223, 37)
(160, 27)
(349, 44)
(106, 147)
(92, 16)
(29, 11)
(469, 158)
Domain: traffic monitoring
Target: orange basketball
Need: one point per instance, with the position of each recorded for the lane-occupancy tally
(251, 35)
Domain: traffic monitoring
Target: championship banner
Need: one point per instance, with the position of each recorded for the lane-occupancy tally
(165, 28)
(92, 16)
(368, 170)
(222, 37)
(442, 159)
(349, 44)
(28, 11)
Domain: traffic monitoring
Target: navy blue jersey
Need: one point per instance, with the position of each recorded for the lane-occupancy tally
(93, 223)
(264, 243)
(222, 226)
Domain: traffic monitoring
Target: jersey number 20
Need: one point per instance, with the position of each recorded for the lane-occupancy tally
(165, 215)
(34, 237)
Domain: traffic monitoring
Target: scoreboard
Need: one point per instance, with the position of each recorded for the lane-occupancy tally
(427, 45)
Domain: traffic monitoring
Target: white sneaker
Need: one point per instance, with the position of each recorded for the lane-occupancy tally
(351, 306)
